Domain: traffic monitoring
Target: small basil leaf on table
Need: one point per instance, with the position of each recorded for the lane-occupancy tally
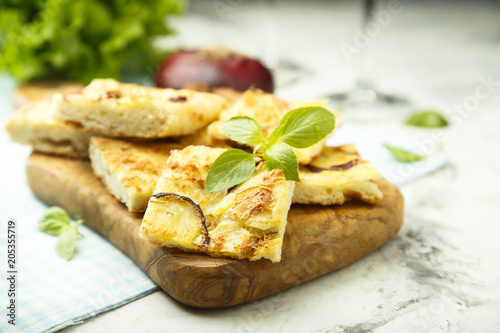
(427, 119)
(54, 221)
(403, 155)
(66, 243)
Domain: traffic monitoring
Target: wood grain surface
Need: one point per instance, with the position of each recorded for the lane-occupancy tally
(318, 239)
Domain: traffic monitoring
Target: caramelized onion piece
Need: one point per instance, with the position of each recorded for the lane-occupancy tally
(339, 167)
(204, 231)
(178, 99)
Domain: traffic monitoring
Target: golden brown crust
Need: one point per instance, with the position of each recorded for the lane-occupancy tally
(251, 202)
(129, 170)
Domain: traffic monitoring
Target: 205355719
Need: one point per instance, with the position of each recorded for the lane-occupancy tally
(11, 271)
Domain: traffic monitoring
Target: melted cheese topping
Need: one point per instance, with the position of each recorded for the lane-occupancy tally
(335, 156)
(246, 222)
(336, 175)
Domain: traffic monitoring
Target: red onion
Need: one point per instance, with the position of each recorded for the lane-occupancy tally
(217, 67)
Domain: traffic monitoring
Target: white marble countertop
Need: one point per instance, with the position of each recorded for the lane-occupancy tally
(441, 273)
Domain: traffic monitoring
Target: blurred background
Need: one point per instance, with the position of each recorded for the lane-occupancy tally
(426, 50)
(423, 51)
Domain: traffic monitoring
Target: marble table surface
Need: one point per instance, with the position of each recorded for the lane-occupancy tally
(441, 273)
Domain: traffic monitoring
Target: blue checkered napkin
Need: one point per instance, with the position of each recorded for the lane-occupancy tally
(53, 293)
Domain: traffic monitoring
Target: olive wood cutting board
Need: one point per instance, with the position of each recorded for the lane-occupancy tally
(318, 239)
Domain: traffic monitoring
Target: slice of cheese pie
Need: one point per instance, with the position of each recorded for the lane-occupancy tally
(337, 175)
(129, 110)
(130, 170)
(35, 126)
(268, 110)
(245, 222)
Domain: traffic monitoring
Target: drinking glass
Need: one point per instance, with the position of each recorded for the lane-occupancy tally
(365, 101)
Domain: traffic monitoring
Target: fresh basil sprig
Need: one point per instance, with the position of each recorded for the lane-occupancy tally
(56, 222)
(232, 167)
(282, 157)
(299, 128)
(403, 155)
(427, 119)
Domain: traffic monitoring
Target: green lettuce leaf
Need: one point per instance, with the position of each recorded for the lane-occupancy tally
(81, 39)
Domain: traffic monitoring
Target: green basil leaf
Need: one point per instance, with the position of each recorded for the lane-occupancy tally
(54, 221)
(304, 127)
(282, 157)
(244, 130)
(403, 155)
(66, 243)
(427, 119)
(78, 222)
(274, 137)
(231, 168)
